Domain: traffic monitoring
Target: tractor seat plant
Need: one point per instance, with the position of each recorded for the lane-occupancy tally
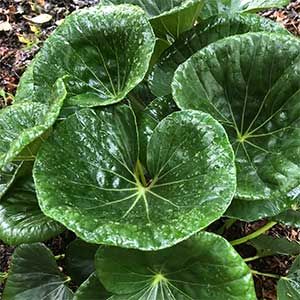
(139, 126)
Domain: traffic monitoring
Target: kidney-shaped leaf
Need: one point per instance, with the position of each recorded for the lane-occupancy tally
(205, 33)
(21, 220)
(34, 274)
(23, 123)
(204, 267)
(92, 289)
(215, 7)
(251, 84)
(89, 177)
(168, 18)
(102, 53)
(288, 287)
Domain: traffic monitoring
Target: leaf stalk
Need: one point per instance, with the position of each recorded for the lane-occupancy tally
(254, 234)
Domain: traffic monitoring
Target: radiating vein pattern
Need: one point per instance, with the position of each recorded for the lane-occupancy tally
(250, 83)
(102, 53)
(109, 196)
(202, 274)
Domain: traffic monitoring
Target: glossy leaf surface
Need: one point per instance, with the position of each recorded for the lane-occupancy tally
(250, 83)
(23, 123)
(21, 220)
(204, 267)
(150, 117)
(8, 175)
(288, 287)
(102, 53)
(215, 7)
(34, 274)
(80, 260)
(89, 178)
(92, 289)
(168, 17)
(203, 34)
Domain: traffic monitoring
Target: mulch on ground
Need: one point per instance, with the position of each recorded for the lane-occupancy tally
(21, 36)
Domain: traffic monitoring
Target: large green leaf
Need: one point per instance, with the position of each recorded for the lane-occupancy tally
(288, 287)
(102, 53)
(21, 220)
(215, 7)
(267, 245)
(168, 17)
(250, 83)
(205, 33)
(33, 274)
(21, 124)
(92, 289)
(80, 260)
(89, 177)
(204, 267)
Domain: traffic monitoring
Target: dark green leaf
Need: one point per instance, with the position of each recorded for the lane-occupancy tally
(21, 220)
(250, 83)
(215, 7)
(89, 178)
(92, 289)
(8, 175)
(267, 245)
(288, 287)
(21, 124)
(204, 267)
(33, 275)
(155, 112)
(80, 260)
(102, 53)
(168, 18)
(205, 33)
(290, 218)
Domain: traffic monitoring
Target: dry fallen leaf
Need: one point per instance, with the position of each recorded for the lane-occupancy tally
(5, 26)
(40, 19)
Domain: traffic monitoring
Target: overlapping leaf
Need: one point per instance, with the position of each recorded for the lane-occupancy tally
(102, 53)
(92, 289)
(203, 34)
(21, 220)
(23, 123)
(34, 274)
(150, 117)
(89, 177)
(288, 287)
(168, 17)
(215, 7)
(205, 267)
(250, 83)
(80, 260)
